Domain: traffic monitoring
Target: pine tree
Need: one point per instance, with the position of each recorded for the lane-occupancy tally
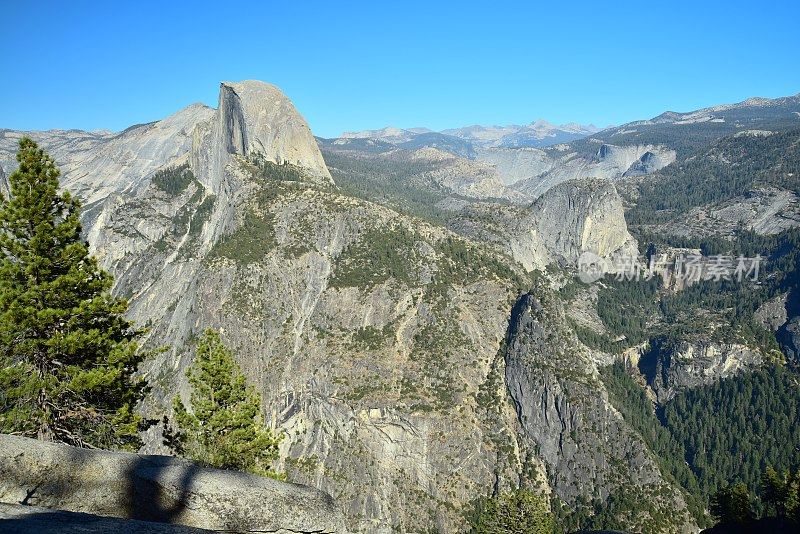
(780, 493)
(793, 498)
(731, 505)
(775, 491)
(67, 353)
(224, 426)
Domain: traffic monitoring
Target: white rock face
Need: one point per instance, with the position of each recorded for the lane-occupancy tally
(569, 219)
(610, 163)
(533, 171)
(257, 118)
(465, 177)
(97, 166)
(517, 164)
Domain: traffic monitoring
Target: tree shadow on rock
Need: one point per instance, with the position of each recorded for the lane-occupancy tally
(158, 488)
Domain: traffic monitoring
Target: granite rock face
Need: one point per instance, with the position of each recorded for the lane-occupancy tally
(255, 118)
(772, 314)
(570, 219)
(464, 176)
(789, 338)
(581, 216)
(99, 165)
(673, 367)
(158, 488)
(533, 171)
(514, 165)
(565, 414)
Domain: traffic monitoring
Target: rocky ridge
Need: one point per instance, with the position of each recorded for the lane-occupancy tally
(608, 162)
(670, 368)
(517, 173)
(536, 134)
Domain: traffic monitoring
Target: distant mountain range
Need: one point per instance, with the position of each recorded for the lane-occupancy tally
(539, 133)
(521, 162)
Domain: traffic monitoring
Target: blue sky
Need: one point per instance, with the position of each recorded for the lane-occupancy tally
(351, 66)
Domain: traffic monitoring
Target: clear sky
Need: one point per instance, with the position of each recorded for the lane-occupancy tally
(351, 66)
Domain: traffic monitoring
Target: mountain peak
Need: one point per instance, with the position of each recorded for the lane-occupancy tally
(542, 123)
(255, 117)
(254, 89)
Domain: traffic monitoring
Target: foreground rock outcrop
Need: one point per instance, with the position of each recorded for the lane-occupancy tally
(158, 488)
(23, 519)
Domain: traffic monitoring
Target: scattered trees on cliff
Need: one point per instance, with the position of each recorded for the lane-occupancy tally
(518, 512)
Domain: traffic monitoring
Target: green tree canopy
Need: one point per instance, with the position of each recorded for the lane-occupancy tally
(774, 491)
(67, 353)
(731, 505)
(224, 425)
(518, 512)
(780, 493)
